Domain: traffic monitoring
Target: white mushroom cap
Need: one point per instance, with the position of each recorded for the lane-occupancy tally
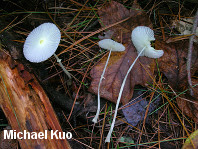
(141, 37)
(42, 42)
(109, 44)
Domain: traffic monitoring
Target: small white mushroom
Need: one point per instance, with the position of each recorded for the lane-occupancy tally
(141, 37)
(110, 45)
(42, 43)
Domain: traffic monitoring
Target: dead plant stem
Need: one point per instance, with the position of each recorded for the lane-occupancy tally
(189, 59)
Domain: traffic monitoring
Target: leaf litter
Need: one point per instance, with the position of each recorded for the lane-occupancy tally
(120, 62)
(172, 64)
(135, 111)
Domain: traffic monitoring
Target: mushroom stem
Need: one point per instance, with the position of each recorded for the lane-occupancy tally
(119, 97)
(101, 78)
(61, 65)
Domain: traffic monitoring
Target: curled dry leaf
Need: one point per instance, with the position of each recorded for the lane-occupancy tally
(120, 61)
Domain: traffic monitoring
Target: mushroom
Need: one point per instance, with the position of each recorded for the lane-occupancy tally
(110, 45)
(141, 37)
(42, 43)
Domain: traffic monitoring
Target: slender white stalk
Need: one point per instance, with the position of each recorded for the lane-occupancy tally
(61, 65)
(98, 110)
(119, 97)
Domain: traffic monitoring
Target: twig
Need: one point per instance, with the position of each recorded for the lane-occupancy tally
(190, 52)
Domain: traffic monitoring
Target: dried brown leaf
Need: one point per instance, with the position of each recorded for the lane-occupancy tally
(120, 61)
(115, 12)
(190, 106)
(173, 62)
(173, 65)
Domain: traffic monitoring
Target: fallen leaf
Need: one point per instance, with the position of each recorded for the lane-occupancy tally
(120, 61)
(173, 62)
(126, 140)
(173, 65)
(115, 12)
(107, 35)
(135, 111)
(190, 106)
(194, 138)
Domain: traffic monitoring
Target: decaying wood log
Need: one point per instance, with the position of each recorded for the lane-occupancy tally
(27, 106)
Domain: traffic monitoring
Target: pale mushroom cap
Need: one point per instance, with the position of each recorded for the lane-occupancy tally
(141, 37)
(42, 42)
(109, 44)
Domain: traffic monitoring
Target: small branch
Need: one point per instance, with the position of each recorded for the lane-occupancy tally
(190, 52)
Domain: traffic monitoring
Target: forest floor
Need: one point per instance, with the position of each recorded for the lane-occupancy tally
(157, 110)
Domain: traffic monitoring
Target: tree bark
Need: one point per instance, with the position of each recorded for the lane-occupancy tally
(26, 105)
